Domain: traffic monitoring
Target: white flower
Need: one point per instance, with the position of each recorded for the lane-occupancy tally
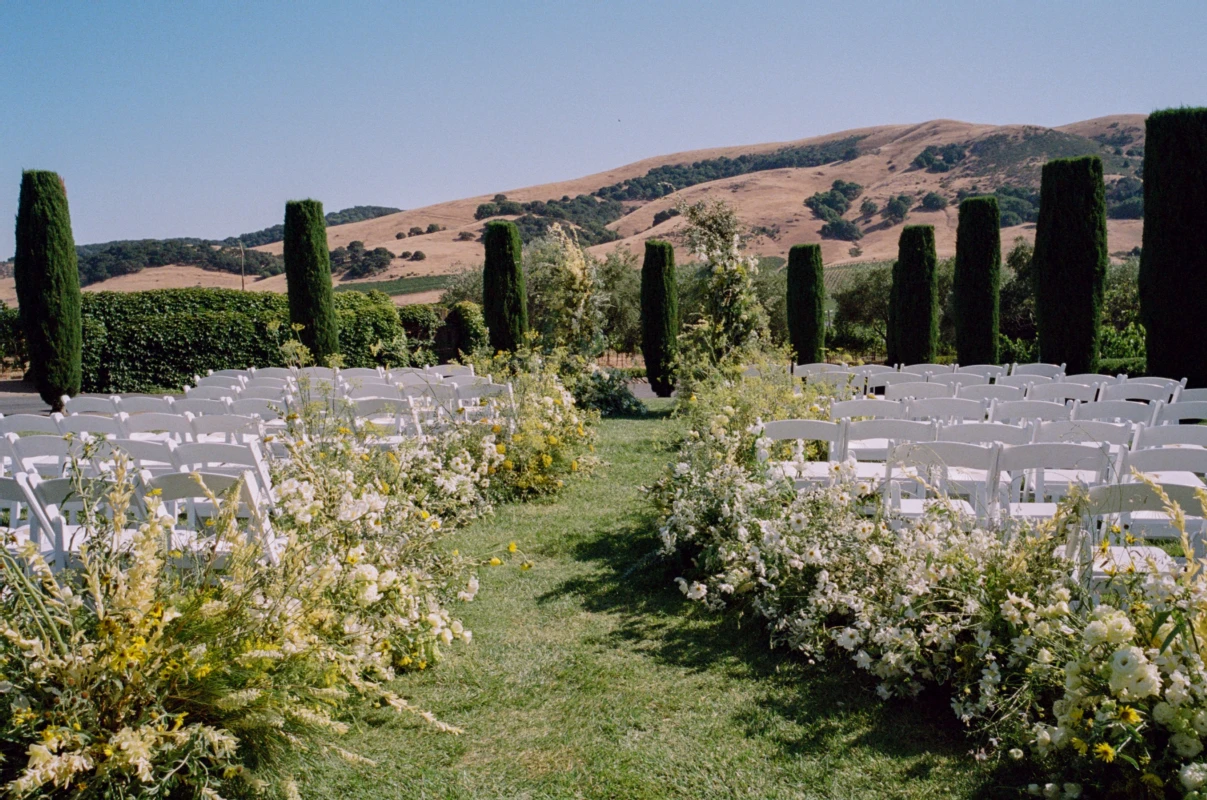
(694, 591)
(1193, 776)
(849, 639)
(1185, 745)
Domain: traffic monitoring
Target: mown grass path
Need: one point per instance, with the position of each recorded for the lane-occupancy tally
(591, 677)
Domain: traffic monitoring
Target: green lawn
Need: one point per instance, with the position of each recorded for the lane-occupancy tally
(591, 677)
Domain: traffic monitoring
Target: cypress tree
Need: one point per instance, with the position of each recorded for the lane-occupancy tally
(308, 277)
(915, 296)
(1070, 262)
(977, 280)
(504, 296)
(806, 303)
(1173, 260)
(659, 315)
(48, 286)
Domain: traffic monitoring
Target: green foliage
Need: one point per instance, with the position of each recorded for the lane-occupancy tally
(833, 204)
(276, 233)
(619, 291)
(1173, 260)
(13, 354)
(868, 207)
(933, 201)
(308, 273)
(505, 298)
(48, 286)
(464, 331)
(1016, 299)
(606, 391)
(977, 281)
(465, 236)
(396, 286)
(419, 321)
(98, 262)
(1125, 199)
(806, 298)
(897, 209)
(942, 158)
(914, 301)
(665, 214)
(357, 262)
(841, 229)
(588, 214)
(659, 315)
(861, 304)
(419, 255)
(415, 231)
(1132, 366)
(434, 227)
(1069, 264)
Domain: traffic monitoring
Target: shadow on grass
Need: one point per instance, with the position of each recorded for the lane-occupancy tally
(828, 707)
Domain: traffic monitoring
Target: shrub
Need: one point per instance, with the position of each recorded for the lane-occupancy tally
(940, 158)
(806, 303)
(619, 290)
(400, 235)
(914, 307)
(606, 391)
(466, 236)
(1132, 366)
(977, 281)
(841, 229)
(48, 286)
(505, 305)
(933, 201)
(665, 214)
(308, 273)
(418, 255)
(13, 353)
(419, 321)
(659, 315)
(868, 207)
(466, 331)
(897, 209)
(434, 227)
(1173, 259)
(1070, 262)
(415, 231)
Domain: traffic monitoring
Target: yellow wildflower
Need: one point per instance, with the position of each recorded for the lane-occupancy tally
(1078, 745)
(1129, 715)
(495, 561)
(574, 466)
(501, 449)
(496, 428)
(1104, 752)
(511, 547)
(507, 463)
(527, 565)
(546, 459)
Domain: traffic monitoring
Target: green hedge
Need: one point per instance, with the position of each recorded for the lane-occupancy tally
(1134, 367)
(464, 331)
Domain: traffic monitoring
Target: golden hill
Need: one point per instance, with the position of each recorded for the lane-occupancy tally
(773, 199)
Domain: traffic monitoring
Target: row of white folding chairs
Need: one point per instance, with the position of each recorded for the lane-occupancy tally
(988, 371)
(185, 427)
(46, 512)
(263, 407)
(330, 373)
(917, 384)
(977, 409)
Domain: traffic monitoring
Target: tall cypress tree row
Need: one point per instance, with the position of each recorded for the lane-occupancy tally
(1173, 261)
(806, 303)
(48, 286)
(659, 315)
(1070, 262)
(308, 276)
(915, 297)
(977, 280)
(504, 295)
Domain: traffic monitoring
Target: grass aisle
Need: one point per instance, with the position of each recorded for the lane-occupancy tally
(590, 676)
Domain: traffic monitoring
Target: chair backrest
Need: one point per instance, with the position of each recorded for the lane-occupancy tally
(257, 407)
(879, 379)
(1170, 436)
(1112, 410)
(30, 423)
(958, 379)
(216, 393)
(231, 373)
(984, 370)
(373, 390)
(927, 369)
(94, 424)
(1062, 391)
(146, 454)
(1021, 381)
(318, 373)
(267, 383)
(90, 405)
(273, 372)
(836, 379)
(1044, 370)
(860, 407)
(1135, 390)
(894, 430)
(1166, 459)
(985, 433)
(945, 408)
(933, 459)
(810, 430)
(192, 406)
(362, 372)
(54, 503)
(870, 369)
(1082, 430)
(1168, 383)
(166, 426)
(477, 391)
(1018, 460)
(398, 414)
(1015, 410)
(466, 380)
(1191, 396)
(443, 393)
(452, 369)
(221, 381)
(228, 427)
(989, 392)
(43, 454)
(901, 391)
(11, 500)
(801, 370)
(1175, 413)
(1090, 378)
(184, 488)
(136, 404)
(413, 378)
(264, 393)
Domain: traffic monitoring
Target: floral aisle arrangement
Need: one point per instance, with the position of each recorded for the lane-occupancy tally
(1104, 692)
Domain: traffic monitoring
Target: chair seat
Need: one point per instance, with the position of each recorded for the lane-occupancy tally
(1133, 558)
(912, 508)
(869, 449)
(1177, 477)
(1031, 511)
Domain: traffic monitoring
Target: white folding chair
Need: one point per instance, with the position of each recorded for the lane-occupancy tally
(867, 407)
(414, 378)
(230, 382)
(273, 372)
(1062, 392)
(93, 425)
(213, 394)
(1091, 378)
(199, 407)
(281, 384)
(945, 409)
(227, 428)
(914, 390)
(985, 433)
(1180, 413)
(870, 369)
(1022, 410)
(266, 410)
(956, 380)
(44, 454)
(1111, 508)
(58, 514)
(1031, 495)
(137, 404)
(1112, 437)
(927, 369)
(230, 373)
(31, 423)
(802, 471)
(943, 472)
(227, 459)
(989, 392)
(1137, 390)
(838, 382)
(986, 371)
(804, 370)
(1022, 381)
(1049, 371)
(161, 427)
(877, 380)
(1169, 436)
(145, 455)
(264, 393)
(373, 390)
(14, 532)
(89, 405)
(1191, 396)
(870, 439)
(1116, 411)
(356, 373)
(484, 399)
(396, 418)
(1184, 466)
(448, 370)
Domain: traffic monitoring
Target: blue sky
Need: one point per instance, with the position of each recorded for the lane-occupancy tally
(202, 119)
